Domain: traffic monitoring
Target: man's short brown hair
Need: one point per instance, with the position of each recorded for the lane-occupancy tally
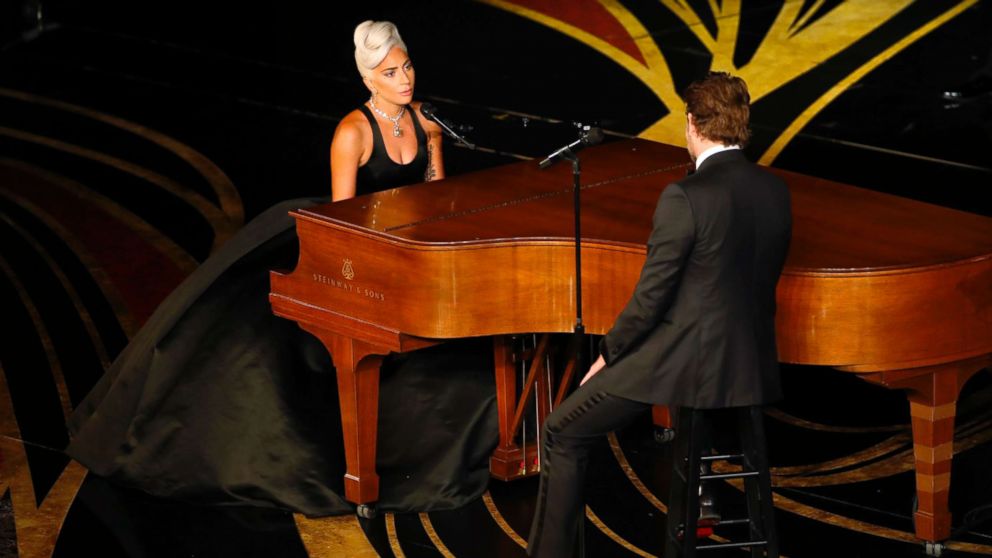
(720, 107)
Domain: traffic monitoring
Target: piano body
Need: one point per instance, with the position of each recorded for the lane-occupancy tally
(896, 291)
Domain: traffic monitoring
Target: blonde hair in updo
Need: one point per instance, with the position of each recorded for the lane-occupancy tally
(373, 41)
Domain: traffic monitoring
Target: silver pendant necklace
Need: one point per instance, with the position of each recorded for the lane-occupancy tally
(397, 132)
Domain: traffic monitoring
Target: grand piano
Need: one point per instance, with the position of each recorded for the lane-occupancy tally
(893, 290)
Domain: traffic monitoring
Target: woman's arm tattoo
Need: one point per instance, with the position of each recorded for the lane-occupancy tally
(430, 173)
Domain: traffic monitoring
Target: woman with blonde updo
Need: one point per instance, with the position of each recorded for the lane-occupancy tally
(219, 401)
(386, 142)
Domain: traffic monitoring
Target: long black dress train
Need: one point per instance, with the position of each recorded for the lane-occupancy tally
(218, 401)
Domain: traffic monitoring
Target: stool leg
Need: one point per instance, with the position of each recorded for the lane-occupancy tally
(760, 508)
(752, 485)
(683, 509)
(677, 486)
(765, 477)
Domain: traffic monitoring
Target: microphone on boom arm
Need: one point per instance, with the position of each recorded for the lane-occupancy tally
(589, 136)
(430, 112)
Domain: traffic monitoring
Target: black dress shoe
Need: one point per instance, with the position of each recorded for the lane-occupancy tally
(979, 86)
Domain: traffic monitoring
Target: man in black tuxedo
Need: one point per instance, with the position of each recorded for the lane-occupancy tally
(699, 329)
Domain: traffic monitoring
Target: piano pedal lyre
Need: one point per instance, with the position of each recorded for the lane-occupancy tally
(518, 455)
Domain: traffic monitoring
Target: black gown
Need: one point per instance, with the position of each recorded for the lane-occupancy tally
(216, 400)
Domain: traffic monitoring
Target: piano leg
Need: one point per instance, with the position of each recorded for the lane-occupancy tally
(357, 365)
(502, 464)
(933, 393)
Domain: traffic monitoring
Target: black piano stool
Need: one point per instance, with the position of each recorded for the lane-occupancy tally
(686, 476)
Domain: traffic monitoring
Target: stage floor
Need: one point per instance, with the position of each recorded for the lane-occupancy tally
(133, 142)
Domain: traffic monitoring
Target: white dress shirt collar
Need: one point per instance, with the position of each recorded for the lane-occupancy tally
(712, 151)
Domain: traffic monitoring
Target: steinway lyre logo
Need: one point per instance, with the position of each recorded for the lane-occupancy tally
(347, 270)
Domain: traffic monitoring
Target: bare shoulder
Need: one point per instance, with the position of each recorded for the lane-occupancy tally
(429, 125)
(352, 133)
(353, 127)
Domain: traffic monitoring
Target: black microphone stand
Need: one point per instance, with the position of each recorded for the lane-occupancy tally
(579, 331)
(589, 136)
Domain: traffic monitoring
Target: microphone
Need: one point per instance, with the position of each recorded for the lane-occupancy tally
(430, 112)
(590, 136)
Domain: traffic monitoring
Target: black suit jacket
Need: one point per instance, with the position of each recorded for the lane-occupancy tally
(700, 327)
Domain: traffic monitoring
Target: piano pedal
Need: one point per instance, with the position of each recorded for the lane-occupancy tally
(523, 469)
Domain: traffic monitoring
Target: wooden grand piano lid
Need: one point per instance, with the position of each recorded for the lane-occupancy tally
(838, 229)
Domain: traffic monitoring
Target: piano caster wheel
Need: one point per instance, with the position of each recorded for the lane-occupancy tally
(663, 435)
(367, 511)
